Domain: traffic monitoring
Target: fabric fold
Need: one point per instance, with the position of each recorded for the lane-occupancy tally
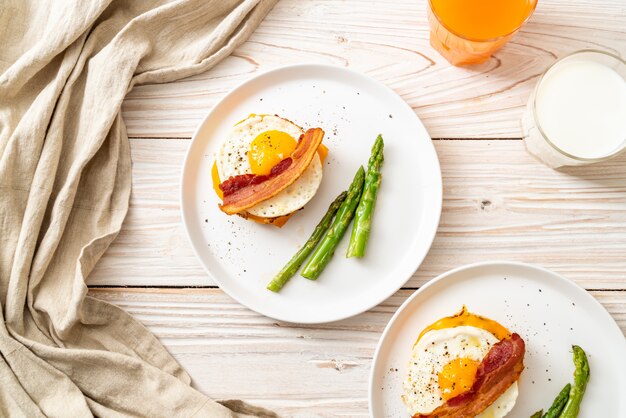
(65, 172)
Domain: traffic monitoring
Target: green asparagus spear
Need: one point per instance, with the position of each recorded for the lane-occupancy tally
(581, 377)
(365, 210)
(559, 403)
(324, 252)
(296, 261)
(537, 414)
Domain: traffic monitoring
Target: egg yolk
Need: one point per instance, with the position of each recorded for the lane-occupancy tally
(466, 318)
(268, 149)
(215, 178)
(457, 377)
(322, 151)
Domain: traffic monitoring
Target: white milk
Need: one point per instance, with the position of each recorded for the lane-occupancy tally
(581, 109)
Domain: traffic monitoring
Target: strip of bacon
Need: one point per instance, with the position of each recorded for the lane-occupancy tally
(244, 191)
(234, 183)
(500, 368)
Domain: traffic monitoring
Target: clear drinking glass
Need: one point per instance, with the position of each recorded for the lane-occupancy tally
(558, 115)
(470, 31)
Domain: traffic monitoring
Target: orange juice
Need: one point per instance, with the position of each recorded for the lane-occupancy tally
(469, 31)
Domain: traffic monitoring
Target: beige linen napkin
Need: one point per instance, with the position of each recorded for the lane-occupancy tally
(65, 67)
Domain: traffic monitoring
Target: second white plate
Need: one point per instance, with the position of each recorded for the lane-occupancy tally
(550, 313)
(242, 256)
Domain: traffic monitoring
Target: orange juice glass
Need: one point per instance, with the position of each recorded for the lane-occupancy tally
(469, 31)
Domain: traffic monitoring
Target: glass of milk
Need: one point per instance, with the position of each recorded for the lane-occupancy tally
(577, 112)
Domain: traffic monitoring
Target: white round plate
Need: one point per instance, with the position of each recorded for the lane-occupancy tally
(550, 313)
(242, 256)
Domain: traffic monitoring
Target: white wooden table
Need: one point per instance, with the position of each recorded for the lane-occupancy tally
(499, 203)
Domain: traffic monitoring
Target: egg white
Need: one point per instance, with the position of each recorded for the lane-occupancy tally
(232, 160)
(503, 405)
(434, 350)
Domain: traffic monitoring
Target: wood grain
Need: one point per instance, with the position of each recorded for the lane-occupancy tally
(499, 204)
(302, 371)
(388, 40)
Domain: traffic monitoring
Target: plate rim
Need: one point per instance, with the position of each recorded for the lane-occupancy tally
(436, 184)
(562, 279)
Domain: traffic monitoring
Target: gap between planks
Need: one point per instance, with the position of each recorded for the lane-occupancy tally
(188, 138)
(193, 289)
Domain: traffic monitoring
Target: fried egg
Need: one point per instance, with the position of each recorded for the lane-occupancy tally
(254, 146)
(444, 362)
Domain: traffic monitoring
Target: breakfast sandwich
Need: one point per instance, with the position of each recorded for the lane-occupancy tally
(463, 366)
(268, 168)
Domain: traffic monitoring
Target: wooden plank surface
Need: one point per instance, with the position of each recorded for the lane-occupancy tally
(231, 351)
(389, 41)
(499, 204)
